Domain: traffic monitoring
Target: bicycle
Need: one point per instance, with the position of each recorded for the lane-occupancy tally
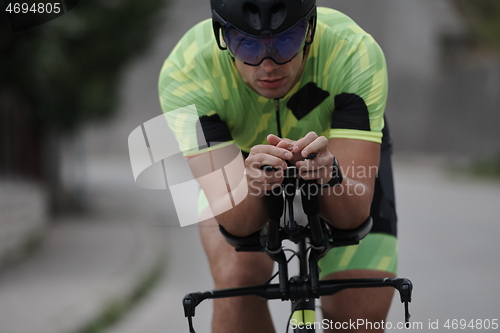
(302, 290)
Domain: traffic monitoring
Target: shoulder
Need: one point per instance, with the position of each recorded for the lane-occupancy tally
(344, 51)
(335, 24)
(354, 71)
(187, 74)
(193, 56)
(337, 31)
(333, 18)
(193, 43)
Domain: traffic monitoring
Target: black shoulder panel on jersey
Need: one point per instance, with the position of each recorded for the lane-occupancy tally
(350, 112)
(306, 99)
(214, 129)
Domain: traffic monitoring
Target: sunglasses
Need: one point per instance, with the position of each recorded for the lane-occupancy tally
(253, 50)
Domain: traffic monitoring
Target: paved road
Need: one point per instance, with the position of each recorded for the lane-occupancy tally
(449, 249)
(449, 228)
(85, 262)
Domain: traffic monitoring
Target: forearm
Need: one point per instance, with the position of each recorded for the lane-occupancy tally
(246, 216)
(348, 205)
(237, 195)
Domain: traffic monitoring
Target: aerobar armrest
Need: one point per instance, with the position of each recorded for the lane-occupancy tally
(344, 237)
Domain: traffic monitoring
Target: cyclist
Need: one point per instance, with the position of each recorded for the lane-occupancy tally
(280, 80)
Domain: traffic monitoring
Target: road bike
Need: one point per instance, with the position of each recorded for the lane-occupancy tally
(313, 240)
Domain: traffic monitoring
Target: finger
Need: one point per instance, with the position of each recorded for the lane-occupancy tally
(320, 163)
(303, 142)
(284, 143)
(270, 150)
(318, 145)
(273, 139)
(257, 161)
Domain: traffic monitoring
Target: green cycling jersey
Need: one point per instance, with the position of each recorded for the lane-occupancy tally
(341, 94)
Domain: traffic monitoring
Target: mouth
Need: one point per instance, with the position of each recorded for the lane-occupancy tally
(271, 82)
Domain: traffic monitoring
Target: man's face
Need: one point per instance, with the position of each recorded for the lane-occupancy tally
(269, 79)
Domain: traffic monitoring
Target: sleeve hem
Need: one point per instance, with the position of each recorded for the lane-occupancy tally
(193, 153)
(356, 134)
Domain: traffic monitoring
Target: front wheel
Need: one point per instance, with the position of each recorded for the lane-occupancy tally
(303, 318)
(303, 321)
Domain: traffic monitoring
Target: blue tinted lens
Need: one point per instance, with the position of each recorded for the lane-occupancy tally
(253, 50)
(290, 42)
(244, 47)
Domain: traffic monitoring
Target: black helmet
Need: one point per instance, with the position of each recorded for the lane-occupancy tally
(260, 17)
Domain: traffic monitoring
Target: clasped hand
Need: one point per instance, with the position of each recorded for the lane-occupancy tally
(281, 150)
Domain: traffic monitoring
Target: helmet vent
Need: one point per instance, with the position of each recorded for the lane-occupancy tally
(252, 15)
(278, 15)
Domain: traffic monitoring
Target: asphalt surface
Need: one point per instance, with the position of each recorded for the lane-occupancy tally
(448, 230)
(89, 262)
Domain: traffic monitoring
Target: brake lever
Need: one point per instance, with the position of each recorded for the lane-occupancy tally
(405, 288)
(189, 306)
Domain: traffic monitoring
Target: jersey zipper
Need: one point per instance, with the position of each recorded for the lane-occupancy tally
(277, 110)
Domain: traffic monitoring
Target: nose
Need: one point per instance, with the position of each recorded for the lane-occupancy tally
(268, 65)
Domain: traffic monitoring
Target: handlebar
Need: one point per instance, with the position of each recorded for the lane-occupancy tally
(299, 290)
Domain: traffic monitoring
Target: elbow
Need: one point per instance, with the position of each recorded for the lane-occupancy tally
(349, 214)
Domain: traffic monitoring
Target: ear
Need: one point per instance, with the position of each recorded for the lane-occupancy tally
(223, 38)
(219, 36)
(311, 30)
(309, 34)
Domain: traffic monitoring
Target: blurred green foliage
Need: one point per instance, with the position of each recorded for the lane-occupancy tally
(483, 18)
(486, 167)
(68, 70)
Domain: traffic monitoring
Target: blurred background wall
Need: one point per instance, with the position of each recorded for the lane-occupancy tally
(56, 78)
(444, 82)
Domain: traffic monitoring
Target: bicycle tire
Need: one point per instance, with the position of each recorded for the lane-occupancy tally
(303, 312)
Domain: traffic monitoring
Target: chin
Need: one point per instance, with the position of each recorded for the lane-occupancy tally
(272, 94)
